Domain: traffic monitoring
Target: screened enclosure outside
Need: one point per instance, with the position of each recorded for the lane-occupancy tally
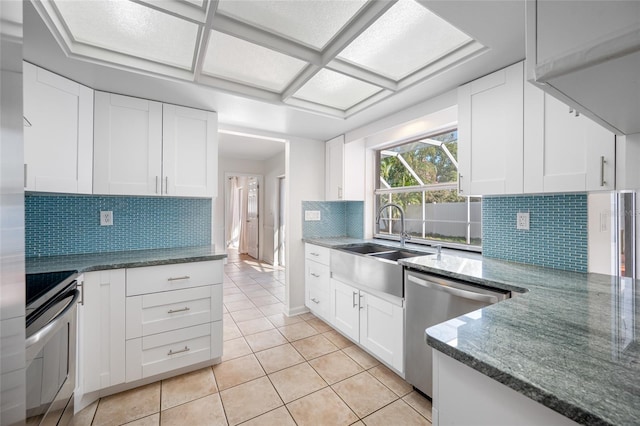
(422, 177)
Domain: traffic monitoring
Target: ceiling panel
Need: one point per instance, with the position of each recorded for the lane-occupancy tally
(132, 29)
(241, 61)
(335, 90)
(405, 39)
(311, 22)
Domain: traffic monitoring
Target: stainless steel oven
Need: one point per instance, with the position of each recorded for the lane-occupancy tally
(51, 347)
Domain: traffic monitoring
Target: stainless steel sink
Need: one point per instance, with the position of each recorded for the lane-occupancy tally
(366, 248)
(397, 254)
(371, 265)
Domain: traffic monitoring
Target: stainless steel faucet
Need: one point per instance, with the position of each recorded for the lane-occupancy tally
(403, 234)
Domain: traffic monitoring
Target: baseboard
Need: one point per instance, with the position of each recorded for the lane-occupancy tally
(290, 312)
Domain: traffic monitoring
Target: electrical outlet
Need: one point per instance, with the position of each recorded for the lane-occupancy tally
(523, 221)
(106, 218)
(311, 215)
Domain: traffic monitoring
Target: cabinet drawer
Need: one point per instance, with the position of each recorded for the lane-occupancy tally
(317, 275)
(154, 279)
(318, 301)
(170, 310)
(317, 253)
(159, 353)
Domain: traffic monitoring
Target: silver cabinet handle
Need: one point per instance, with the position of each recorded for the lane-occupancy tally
(459, 185)
(315, 254)
(25, 175)
(173, 311)
(314, 275)
(355, 302)
(156, 184)
(360, 301)
(172, 352)
(314, 300)
(339, 193)
(602, 163)
(486, 298)
(166, 184)
(185, 277)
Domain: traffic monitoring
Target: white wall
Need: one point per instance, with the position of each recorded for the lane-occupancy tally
(305, 182)
(274, 167)
(601, 233)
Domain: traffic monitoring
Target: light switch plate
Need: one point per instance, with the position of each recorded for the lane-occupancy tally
(106, 218)
(523, 221)
(311, 215)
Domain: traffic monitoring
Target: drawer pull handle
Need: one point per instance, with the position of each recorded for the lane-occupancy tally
(173, 311)
(314, 300)
(313, 274)
(186, 277)
(171, 352)
(314, 254)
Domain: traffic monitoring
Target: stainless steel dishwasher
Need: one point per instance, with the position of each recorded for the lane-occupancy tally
(431, 300)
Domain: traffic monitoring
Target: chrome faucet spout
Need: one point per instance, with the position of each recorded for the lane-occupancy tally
(404, 236)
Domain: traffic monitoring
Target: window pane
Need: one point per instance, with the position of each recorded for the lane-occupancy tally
(433, 215)
(424, 162)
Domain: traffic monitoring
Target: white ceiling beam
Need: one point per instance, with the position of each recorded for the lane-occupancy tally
(203, 44)
(239, 29)
(316, 108)
(299, 81)
(363, 19)
(362, 74)
(188, 12)
(240, 88)
(371, 100)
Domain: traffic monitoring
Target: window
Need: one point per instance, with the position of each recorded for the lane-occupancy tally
(422, 177)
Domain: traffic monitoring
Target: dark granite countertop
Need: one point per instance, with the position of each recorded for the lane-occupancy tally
(122, 259)
(568, 342)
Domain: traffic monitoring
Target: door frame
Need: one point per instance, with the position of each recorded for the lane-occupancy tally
(280, 249)
(260, 179)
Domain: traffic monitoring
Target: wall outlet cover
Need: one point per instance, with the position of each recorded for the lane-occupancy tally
(311, 215)
(106, 218)
(523, 221)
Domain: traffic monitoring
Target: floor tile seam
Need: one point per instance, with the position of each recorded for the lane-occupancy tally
(343, 401)
(291, 366)
(411, 406)
(95, 413)
(277, 393)
(250, 380)
(381, 382)
(366, 415)
(331, 384)
(393, 402)
(316, 357)
(185, 403)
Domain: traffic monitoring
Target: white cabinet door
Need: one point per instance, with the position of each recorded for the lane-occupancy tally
(190, 151)
(58, 146)
(490, 133)
(128, 145)
(103, 340)
(565, 153)
(345, 310)
(334, 171)
(382, 329)
(318, 288)
(344, 170)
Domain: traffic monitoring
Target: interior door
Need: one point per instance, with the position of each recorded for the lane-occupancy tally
(281, 223)
(252, 217)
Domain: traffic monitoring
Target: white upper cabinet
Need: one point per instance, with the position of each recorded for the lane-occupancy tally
(144, 147)
(189, 151)
(344, 170)
(128, 145)
(58, 146)
(490, 133)
(565, 152)
(587, 54)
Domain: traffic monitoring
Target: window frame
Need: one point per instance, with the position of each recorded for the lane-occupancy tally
(379, 191)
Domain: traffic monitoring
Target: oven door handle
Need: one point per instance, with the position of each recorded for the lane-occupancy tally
(53, 326)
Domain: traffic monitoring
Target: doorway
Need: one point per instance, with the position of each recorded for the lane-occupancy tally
(280, 244)
(242, 215)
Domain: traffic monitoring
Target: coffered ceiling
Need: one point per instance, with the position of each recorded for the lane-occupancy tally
(331, 57)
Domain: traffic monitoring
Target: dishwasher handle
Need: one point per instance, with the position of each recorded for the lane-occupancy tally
(479, 297)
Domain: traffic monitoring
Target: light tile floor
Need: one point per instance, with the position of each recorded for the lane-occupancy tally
(276, 370)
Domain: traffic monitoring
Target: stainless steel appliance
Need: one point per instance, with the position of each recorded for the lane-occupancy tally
(51, 346)
(431, 300)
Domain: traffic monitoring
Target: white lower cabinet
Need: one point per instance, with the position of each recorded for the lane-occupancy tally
(141, 322)
(102, 339)
(376, 324)
(317, 284)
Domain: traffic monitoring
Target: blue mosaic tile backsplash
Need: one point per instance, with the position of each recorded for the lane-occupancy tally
(337, 219)
(557, 236)
(70, 224)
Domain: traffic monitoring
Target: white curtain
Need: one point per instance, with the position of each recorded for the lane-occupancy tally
(234, 224)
